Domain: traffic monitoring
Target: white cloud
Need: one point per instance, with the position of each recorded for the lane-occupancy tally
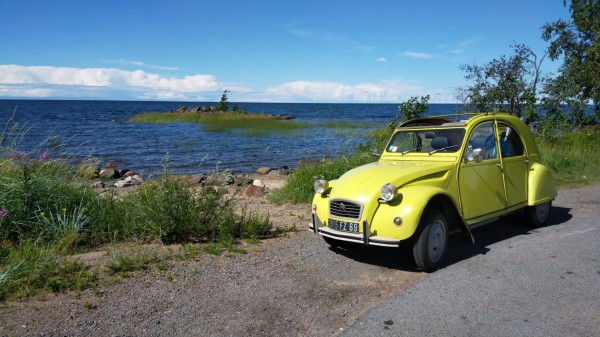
(468, 42)
(48, 81)
(385, 91)
(417, 55)
(142, 64)
(381, 59)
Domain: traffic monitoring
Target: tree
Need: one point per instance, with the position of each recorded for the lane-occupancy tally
(223, 105)
(415, 107)
(505, 84)
(578, 42)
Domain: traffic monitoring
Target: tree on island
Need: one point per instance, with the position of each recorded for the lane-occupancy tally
(223, 106)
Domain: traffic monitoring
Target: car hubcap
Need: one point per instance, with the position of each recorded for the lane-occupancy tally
(542, 211)
(436, 241)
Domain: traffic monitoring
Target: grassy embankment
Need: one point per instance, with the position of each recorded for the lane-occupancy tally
(572, 156)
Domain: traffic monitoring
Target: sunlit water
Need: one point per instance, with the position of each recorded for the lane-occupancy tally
(100, 129)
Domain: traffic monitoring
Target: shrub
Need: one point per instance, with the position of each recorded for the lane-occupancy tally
(299, 186)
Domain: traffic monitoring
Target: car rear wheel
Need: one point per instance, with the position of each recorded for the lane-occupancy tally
(538, 215)
(429, 248)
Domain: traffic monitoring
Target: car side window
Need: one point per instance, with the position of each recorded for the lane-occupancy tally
(482, 141)
(510, 142)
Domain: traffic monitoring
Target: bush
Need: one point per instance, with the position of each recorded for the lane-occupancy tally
(299, 186)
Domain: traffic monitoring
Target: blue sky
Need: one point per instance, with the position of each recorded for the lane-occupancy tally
(262, 51)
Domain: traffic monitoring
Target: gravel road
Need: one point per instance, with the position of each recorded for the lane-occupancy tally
(513, 282)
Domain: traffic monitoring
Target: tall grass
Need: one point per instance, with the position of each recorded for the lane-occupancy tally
(573, 157)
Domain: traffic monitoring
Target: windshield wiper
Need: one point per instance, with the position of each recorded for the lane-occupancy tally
(411, 150)
(443, 148)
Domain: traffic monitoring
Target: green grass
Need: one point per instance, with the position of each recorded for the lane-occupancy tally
(573, 157)
(29, 268)
(249, 124)
(254, 124)
(299, 186)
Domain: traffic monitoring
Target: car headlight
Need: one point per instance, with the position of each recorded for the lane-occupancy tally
(388, 192)
(321, 186)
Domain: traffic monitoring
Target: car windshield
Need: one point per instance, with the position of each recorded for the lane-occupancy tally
(430, 140)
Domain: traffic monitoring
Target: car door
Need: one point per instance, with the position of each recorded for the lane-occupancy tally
(480, 180)
(514, 164)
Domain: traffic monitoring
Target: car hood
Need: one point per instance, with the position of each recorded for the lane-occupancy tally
(364, 183)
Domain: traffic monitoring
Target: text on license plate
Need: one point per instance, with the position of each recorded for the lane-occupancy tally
(343, 226)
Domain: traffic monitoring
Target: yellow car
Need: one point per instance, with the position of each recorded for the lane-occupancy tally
(434, 178)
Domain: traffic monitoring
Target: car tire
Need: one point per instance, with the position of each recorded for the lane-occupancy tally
(431, 241)
(538, 215)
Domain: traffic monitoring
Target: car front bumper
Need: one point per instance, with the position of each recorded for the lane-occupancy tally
(364, 237)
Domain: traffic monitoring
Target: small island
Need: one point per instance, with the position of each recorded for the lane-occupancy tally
(222, 118)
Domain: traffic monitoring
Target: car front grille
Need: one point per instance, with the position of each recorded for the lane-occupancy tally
(345, 209)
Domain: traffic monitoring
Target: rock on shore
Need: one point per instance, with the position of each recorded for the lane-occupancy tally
(248, 186)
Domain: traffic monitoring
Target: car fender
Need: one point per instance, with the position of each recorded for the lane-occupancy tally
(541, 187)
(409, 205)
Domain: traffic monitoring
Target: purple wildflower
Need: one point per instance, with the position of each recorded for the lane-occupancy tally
(3, 213)
(18, 154)
(44, 155)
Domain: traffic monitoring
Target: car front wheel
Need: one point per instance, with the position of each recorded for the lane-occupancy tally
(538, 215)
(429, 248)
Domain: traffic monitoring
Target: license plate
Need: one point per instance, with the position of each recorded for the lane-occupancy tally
(343, 226)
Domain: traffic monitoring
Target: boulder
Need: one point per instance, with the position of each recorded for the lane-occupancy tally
(232, 189)
(181, 110)
(263, 170)
(137, 179)
(253, 191)
(129, 181)
(107, 173)
(284, 171)
(196, 179)
(87, 171)
(258, 183)
(98, 184)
